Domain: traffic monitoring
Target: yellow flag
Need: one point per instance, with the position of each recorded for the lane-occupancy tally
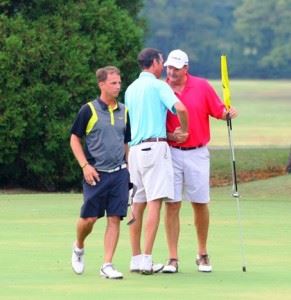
(225, 82)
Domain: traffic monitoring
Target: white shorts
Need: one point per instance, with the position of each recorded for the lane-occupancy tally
(151, 170)
(191, 174)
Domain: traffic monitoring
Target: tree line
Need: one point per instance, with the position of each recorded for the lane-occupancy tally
(50, 50)
(254, 34)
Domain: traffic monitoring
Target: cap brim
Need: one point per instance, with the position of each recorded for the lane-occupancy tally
(174, 64)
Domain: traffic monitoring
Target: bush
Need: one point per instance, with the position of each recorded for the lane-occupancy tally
(48, 57)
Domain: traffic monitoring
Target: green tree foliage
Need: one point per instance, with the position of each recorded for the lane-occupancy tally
(254, 34)
(133, 7)
(202, 28)
(264, 28)
(49, 51)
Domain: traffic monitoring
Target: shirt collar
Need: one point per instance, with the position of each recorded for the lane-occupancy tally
(147, 74)
(104, 106)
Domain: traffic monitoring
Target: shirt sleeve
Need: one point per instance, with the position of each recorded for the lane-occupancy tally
(215, 105)
(81, 121)
(127, 136)
(168, 96)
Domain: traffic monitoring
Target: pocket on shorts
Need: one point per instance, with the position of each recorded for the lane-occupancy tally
(147, 157)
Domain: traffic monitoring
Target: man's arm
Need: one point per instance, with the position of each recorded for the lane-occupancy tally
(127, 137)
(126, 150)
(180, 134)
(182, 113)
(90, 174)
(78, 152)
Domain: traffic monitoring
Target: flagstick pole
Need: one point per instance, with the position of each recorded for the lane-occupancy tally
(235, 194)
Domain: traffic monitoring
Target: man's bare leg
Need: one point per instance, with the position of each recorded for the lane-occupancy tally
(201, 221)
(84, 228)
(152, 224)
(111, 237)
(136, 228)
(172, 226)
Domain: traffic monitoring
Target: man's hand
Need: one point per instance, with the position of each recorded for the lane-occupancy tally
(232, 113)
(91, 175)
(179, 135)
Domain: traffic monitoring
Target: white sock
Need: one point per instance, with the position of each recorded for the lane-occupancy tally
(78, 249)
(106, 264)
(137, 258)
(147, 256)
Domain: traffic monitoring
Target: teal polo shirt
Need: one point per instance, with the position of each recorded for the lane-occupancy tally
(148, 100)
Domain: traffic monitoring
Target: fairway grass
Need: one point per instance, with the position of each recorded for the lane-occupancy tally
(37, 231)
(264, 108)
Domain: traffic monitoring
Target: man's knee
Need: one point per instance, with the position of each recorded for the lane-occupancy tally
(113, 220)
(173, 208)
(89, 221)
(200, 206)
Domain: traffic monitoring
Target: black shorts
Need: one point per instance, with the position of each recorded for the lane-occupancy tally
(109, 195)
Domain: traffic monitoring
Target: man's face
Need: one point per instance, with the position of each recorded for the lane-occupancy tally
(111, 86)
(176, 75)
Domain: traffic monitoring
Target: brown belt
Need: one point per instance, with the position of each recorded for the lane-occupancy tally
(187, 148)
(154, 140)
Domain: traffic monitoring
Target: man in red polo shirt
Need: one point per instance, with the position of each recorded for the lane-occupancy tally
(191, 157)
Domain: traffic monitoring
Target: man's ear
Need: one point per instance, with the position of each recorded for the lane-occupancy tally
(155, 61)
(186, 69)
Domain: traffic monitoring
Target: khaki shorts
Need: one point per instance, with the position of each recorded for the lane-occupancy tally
(150, 167)
(191, 173)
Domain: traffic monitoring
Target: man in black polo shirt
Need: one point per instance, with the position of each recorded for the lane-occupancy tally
(105, 126)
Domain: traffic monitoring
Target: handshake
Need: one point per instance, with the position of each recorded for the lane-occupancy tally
(179, 136)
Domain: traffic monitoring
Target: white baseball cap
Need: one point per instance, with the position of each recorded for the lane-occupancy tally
(177, 58)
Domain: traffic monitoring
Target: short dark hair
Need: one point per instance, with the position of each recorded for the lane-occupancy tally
(146, 57)
(102, 73)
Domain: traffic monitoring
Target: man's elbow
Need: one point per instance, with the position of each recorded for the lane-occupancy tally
(180, 108)
(74, 140)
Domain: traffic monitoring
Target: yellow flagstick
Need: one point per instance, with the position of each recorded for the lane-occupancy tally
(227, 103)
(225, 82)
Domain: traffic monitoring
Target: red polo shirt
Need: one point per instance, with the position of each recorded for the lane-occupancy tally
(201, 101)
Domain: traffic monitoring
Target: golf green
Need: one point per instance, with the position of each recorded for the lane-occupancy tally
(37, 231)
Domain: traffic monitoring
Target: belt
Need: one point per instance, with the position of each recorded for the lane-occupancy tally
(187, 148)
(157, 139)
(123, 166)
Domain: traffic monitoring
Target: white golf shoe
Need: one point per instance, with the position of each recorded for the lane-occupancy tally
(136, 265)
(78, 263)
(108, 271)
(158, 267)
(171, 266)
(146, 266)
(203, 263)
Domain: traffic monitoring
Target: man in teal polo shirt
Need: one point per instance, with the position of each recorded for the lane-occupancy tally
(148, 99)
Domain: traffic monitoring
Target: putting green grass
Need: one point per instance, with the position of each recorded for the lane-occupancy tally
(264, 113)
(37, 231)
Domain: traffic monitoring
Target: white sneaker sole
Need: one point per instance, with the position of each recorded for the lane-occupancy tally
(205, 269)
(169, 269)
(155, 269)
(78, 272)
(104, 275)
(110, 277)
